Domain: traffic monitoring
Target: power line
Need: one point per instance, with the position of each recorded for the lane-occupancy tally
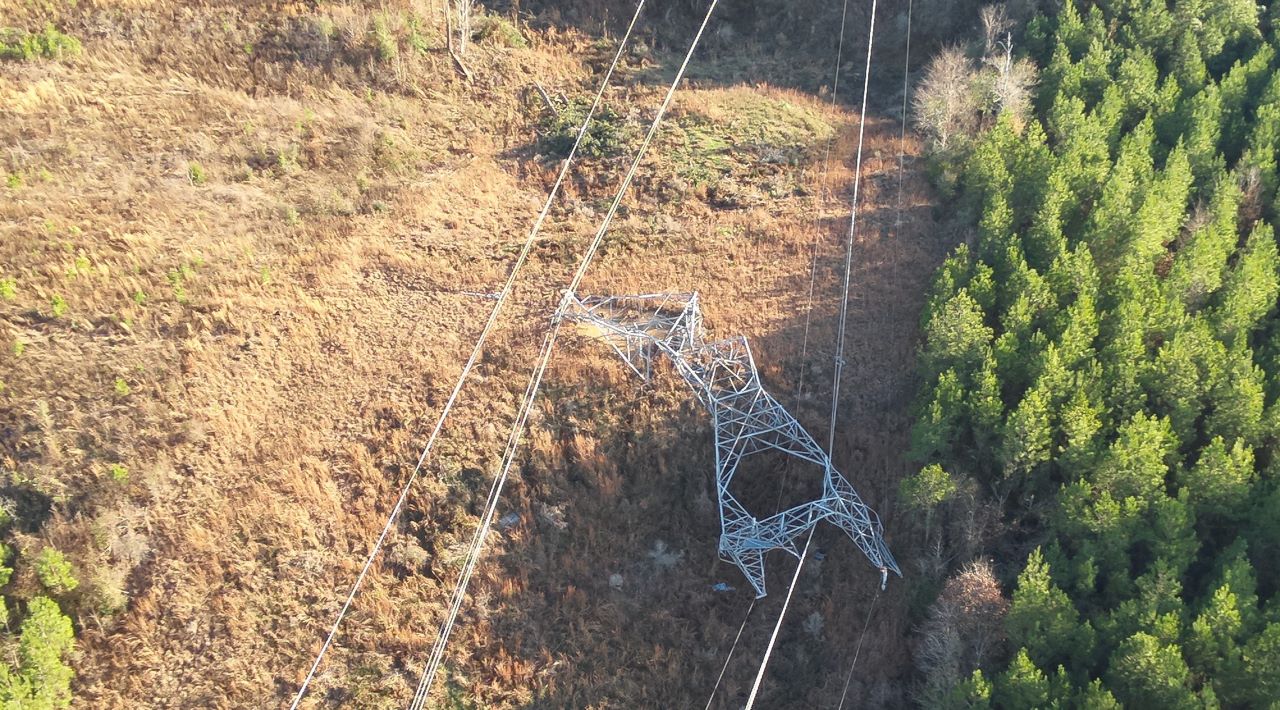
(813, 246)
(861, 636)
(768, 651)
(729, 657)
(902, 139)
(826, 172)
(548, 344)
(848, 252)
(808, 318)
(839, 358)
(897, 225)
(470, 364)
(902, 152)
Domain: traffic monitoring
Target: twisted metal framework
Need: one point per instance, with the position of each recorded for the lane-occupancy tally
(746, 419)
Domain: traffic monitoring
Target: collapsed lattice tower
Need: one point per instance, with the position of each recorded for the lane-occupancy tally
(746, 419)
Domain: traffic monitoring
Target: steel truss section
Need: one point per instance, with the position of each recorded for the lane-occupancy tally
(746, 419)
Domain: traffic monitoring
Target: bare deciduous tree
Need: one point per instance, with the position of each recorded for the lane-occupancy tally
(995, 26)
(962, 632)
(957, 96)
(1011, 88)
(945, 102)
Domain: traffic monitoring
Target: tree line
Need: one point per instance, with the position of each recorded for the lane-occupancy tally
(1101, 357)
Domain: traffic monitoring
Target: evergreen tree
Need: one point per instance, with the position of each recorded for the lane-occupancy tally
(986, 411)
(936, 430)
(1080, 421)
(1220, 482)
(1138, 81)
(1154, 606)
(1172, 534)
(1264, 140)
(1251, 287)
(1028, 436)
(1097, 697)
(1124, 360)
(1188, 60)
(42, 679)
(1145, 672)
(1112, 220)
(972, 694)
(957, 336)
(1022, 686)
(1218, 22)
(1080, 332)
(1241, 88)
(1261, 659)
(1179, 380)
(1159, 215)
(1236, 398)
(1212, 648)
(1201, 264)
(1204, 133)
(1235, 572)
(1138, 461)
(1043, 621)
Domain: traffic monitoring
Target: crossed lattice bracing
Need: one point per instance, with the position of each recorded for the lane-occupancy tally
(746, 419)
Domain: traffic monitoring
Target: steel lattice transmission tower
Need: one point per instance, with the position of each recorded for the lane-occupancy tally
(746, 419)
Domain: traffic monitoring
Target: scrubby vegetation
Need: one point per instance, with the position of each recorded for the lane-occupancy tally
(1100, 365)
(48, 43)
(608, 134)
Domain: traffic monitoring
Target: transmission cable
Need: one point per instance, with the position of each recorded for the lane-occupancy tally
(471, 360)
(729, 657)
(902, 152)
(822, 187)
(858, 650)
(902, 139)
(804, 348)
(535, 382)
(839, 357)
(813, 246)
(897, 227)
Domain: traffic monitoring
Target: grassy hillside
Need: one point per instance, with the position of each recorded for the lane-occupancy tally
(244, 248)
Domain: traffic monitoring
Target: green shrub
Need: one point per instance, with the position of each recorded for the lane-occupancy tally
(417, 40)
(54, 571)
(497, 30)
(195, 173)
(59, 305)
(49, 43)
(119, 472)
(42, 678)
(928, 488)
(8, 288)
(608, 134)
(385, 46)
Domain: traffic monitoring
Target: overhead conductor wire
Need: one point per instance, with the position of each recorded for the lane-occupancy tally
(804, 348)
(902, 159)
(470, 364)
(839, 356)
(535, 382)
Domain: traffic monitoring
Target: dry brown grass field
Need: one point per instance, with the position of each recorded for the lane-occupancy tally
(246, 242)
